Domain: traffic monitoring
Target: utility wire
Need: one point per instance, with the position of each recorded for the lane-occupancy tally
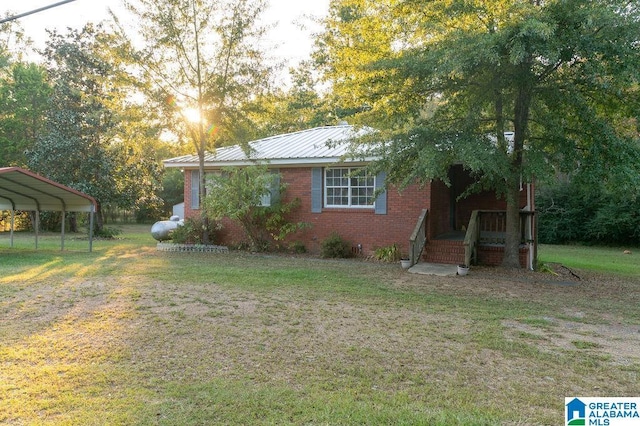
(13, 18)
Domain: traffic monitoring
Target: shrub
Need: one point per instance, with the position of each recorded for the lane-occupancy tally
(297, 247)
(336, 247)
(574, 213)
(21, 221)
(191, 232)
(108, 232)
(388, 254)
(253, 197)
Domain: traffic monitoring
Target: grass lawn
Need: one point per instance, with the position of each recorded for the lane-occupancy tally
(129, 335)
(604, 259)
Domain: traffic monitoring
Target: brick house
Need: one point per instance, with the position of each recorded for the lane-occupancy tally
(425, 221)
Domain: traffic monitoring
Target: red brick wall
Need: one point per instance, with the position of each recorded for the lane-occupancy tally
(363, 226)
(359, 226)
(493, 255)
(188, 212)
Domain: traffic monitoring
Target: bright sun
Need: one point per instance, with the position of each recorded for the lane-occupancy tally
(192, 115)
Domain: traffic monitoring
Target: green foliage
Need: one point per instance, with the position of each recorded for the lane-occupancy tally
(172, 192)
(444, 80)
(199, 57)
(275, 217)
(21, 221)
(24, 94)
(297, 247)
(95, 140)
(191, 232)
(107, 232)
(51, 221)
(75, 148)
(335, 246)
(299, 107)
(138, 170)
(570, 212)
(241, 195)
(388, 254)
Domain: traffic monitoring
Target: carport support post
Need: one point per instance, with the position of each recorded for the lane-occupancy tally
(63, 223)
(91, 230)
(37, 226)
(13, 222)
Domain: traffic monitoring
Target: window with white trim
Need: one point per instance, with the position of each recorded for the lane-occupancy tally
(265, 200)
(349, 187)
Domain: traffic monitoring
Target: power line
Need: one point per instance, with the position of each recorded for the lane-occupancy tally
(13, 18)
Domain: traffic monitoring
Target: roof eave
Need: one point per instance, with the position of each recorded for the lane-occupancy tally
(271, 162)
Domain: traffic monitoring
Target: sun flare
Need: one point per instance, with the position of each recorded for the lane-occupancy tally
(192, 115)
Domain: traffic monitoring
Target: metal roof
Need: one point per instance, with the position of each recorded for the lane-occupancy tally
(24, 190)
(327, 144)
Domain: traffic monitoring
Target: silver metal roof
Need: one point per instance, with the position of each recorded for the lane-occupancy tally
(320, 145)
(21, 189)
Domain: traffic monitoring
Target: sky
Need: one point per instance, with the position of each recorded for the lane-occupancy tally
(294, 43)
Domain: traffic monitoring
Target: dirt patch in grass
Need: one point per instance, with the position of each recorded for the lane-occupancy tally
(620, 343)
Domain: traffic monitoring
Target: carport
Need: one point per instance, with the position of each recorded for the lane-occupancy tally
(23, 190)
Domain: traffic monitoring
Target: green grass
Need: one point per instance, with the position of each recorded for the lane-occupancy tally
(599, 259)
(130, 335)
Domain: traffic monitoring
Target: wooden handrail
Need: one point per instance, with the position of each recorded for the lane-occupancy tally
(489, 227)
(472, 237)
(418, 238)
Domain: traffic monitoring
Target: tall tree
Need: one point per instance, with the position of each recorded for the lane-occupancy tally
(201, 62)
(24, 95)
(75, 149)
(14, 43)
(138, 152)
(94, 135)
(444, 80)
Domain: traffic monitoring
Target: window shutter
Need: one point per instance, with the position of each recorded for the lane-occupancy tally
(274, 191)
(195, 189)
(275, 187)
(381, 201)
(316, 190)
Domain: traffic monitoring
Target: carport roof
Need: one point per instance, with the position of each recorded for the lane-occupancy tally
(21, 189)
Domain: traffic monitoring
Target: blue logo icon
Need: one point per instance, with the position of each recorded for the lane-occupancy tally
(576, 413)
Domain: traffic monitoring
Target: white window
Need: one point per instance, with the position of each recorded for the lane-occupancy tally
(265, 200)
(349, 187)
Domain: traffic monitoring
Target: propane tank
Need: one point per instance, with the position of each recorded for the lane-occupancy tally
(161, 230)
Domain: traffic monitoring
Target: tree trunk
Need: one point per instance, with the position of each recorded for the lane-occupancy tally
(73, 222)
(99, 220)
(512, 239)
(520, 123)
